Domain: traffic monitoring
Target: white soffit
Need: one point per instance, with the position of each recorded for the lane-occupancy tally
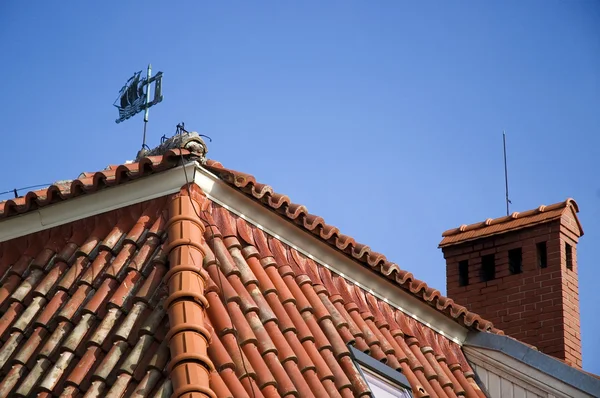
(170, 181)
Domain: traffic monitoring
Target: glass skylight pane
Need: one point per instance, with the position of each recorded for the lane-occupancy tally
(383, 389)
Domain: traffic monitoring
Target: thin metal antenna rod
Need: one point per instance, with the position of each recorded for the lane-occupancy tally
(144, 139)
(147, 110)
(506, 173)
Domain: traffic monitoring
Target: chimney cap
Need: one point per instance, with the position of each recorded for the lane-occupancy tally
(517, 220)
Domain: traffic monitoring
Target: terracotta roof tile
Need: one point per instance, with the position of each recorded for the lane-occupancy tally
(91, 182)
(85, 304)
(513, 222)
(292, 317)
(316, 225)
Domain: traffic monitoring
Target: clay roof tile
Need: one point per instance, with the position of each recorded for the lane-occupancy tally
(285, 323)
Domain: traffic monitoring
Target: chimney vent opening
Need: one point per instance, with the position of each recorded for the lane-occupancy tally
(569, 255)
(488, 267)
(542, 255)
(515, 261)
(463, 273)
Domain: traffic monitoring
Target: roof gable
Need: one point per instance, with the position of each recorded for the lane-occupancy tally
(82, 303)
(83, 313)
(117, 175)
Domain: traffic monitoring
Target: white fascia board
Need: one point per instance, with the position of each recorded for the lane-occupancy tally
(170, 181)
(322, 253)
(87, 205)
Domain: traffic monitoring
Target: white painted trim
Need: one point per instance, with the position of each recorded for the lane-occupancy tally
(170, 181)
(88, 205)
(319, 251)
(520, 373)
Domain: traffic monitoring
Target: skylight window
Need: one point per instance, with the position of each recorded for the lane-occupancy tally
(384, 381)
(383, 388)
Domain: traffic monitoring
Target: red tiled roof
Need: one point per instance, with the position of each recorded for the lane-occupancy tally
(513, 222)
(246, 183)
(376, 261)
(92, 182)
(84, 314)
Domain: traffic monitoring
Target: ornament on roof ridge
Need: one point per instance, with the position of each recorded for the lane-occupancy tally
(183, 139)
(133, 99)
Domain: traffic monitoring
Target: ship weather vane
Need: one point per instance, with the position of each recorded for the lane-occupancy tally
(134, 97)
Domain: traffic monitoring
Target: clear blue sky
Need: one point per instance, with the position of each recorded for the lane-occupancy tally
(383, 117)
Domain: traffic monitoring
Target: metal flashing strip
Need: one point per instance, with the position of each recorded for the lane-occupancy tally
(380, 368)
(136, 191)
(320, 252)
(534, 359)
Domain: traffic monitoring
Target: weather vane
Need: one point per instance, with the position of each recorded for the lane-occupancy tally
(133, 99)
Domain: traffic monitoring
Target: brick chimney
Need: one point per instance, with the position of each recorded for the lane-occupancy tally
(520, 272)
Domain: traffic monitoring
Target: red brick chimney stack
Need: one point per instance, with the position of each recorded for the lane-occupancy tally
(520, 272)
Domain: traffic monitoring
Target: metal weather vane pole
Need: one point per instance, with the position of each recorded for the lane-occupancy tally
(147, 111)
(506, 174)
